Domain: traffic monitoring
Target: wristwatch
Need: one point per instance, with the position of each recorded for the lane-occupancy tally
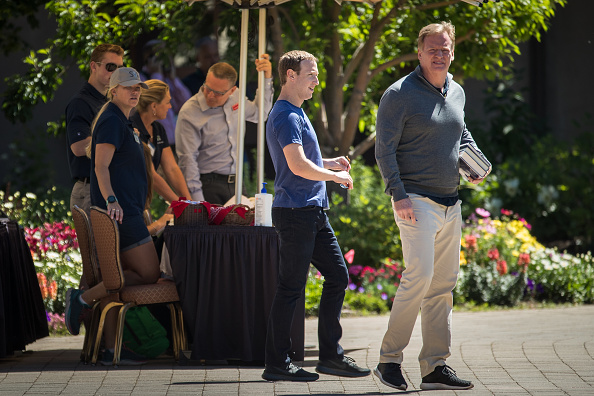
(110, 199)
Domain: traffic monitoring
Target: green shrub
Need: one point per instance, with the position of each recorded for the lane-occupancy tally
(366, 224)
(548, 180)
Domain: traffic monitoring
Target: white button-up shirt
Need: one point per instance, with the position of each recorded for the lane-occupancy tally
(206, 137)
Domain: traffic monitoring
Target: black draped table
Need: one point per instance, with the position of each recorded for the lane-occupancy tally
(226, 279)
(22, 313)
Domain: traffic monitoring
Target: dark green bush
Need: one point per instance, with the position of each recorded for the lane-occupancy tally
(367, 223)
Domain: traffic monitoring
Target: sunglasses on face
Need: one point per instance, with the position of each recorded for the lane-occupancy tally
(208, 90)
(110, 67)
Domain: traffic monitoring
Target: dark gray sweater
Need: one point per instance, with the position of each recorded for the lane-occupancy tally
(418, 137)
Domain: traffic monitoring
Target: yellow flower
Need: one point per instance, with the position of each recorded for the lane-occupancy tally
(462, 258)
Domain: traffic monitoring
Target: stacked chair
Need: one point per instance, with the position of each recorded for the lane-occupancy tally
(91, 274)
(107, 245)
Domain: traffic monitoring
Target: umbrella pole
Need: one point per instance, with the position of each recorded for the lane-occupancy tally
(242, 83)
(261, 89)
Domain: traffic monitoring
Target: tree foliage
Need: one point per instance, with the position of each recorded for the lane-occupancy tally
(362, 48)
(10, 31)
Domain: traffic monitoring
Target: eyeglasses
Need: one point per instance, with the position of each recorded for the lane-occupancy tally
(132, 88)
(208, 89)
(110, 67)
(444, 52)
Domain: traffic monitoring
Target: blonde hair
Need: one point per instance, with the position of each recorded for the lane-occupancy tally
(148, 162)
(292, 60)
(437, 28)
(155, 93)
(94, 123)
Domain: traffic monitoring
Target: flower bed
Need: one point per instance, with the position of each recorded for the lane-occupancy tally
(501, 264)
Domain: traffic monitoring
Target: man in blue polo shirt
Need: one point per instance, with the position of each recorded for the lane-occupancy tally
(81, 111)
(305, 234)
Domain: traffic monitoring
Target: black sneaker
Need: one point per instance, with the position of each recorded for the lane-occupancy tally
(127, 358)
(289, 373)
(444, 377)
(344, 367)
(390, 374)
(74, 309)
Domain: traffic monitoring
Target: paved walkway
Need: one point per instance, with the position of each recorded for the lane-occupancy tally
(513, 352)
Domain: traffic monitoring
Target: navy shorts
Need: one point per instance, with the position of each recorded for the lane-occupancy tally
(133, 232)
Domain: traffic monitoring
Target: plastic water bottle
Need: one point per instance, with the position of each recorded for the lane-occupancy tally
(263, 215)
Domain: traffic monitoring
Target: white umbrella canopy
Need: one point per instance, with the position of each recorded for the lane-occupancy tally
(245, 6)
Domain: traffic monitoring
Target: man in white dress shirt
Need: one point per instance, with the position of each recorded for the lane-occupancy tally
(206, 131)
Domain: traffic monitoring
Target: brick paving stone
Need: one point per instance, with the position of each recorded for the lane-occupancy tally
(537, 352)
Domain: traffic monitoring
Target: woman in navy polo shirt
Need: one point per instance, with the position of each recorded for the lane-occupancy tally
(153, 105)
(119, 184)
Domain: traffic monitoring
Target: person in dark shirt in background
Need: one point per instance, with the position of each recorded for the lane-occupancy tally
(80, 112)
(153, 106)
(206, 56)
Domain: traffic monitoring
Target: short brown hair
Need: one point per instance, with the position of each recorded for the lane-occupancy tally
(155, 93)
(102, 49)
(437, 28)
(224, 71)
(292, 60)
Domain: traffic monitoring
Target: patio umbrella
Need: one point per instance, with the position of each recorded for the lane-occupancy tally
(245, 6)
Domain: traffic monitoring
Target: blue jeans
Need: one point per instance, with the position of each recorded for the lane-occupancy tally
(305, 237)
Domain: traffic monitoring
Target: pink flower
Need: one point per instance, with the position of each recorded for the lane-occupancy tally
(493, 254)
(482, 212)
(506, 212)
(523, 221)
(349, 256)
(355, 270)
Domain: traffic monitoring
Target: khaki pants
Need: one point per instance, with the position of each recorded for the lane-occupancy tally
(431, 250)
(81, 196)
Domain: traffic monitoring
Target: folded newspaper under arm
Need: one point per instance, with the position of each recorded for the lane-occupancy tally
(473, 164)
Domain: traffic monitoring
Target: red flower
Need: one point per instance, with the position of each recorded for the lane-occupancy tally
(471, 243)
(524, 259)
(502, 267)
(52, 290)
(506, 212)
(367, 270)
(493, 254)
(42, 280)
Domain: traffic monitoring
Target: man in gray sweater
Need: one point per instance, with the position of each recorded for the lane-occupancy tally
(420, 127)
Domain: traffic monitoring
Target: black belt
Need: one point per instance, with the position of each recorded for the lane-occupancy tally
(216, 176)
(83, 179)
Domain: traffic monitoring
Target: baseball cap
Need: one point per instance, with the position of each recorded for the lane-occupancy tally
(125, 76)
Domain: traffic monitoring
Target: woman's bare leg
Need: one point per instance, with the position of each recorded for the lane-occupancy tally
(141, 265)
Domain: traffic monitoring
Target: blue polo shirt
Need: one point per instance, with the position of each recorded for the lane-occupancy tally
(159, 141)
(127, 169)
(80, 113)
(288, 124)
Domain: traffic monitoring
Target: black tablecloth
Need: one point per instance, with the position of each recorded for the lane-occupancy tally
(226, 278)
(22, 313)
